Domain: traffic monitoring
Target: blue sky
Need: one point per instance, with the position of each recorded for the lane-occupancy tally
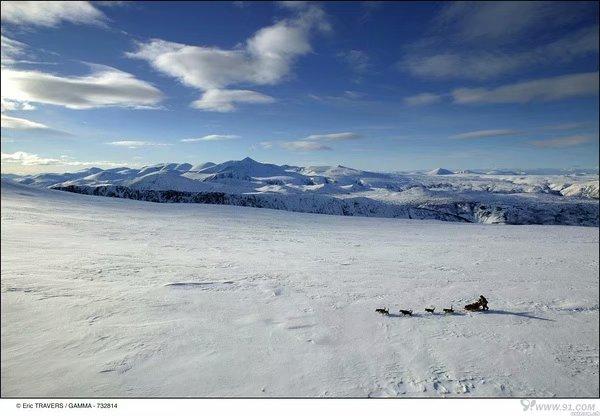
(372, 85)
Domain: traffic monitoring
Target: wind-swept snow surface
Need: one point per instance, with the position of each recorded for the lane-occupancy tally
(106, 296)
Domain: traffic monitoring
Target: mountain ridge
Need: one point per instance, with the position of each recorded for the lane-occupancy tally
(341, 190)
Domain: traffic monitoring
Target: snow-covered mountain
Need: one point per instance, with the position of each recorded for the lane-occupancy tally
(496, 197)
(440, 171)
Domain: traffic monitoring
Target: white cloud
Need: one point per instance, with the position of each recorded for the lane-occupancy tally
(353, 95)
(357, 60)
(24, 158)
(51, 13)
(16, 52)
(212, 138)
(9, 105)
(264, 59)
(579, 43)
(104, 87)
(267, 144)
(10, 49)
(346, 98)
(31, 159)
(546, 89)
(483, 40)
(135, 144)
(505, 20)
(304, 146)
(567, 126)
(561, 142)
(224, 101)
(481, 65)
(425, 98)
(333, 136)
(452, 65)
(313, 142)
(16, 123)
(479, 134)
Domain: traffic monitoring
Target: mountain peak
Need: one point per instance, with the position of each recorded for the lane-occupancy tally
(440, 171)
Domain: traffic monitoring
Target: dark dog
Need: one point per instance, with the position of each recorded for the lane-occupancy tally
(405, 312)
(473, 306)
(383, 311)
(430, 310)
(451, 310)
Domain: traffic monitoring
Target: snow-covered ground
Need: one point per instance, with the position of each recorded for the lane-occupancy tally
(105, 296)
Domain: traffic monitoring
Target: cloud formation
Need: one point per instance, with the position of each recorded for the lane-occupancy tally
(28, 159)
(333, 137)
(425, 98)
(212, 138)
(313, 142)
(135, 144)
(264, 59)
(545, 89)
(484, 40)
(104, 87)
(567, 126)
(8, 105)
(480, 134)
(51, 13)
(346, 98)
(225, 101)
(561, 142)
(505, 21)
(481, 65)
(10, 49)
(304, 146)
(32, 127)
(32, 159)
(358, 61)
(16, 123)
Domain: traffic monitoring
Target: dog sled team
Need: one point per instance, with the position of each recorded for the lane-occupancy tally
(480, 305)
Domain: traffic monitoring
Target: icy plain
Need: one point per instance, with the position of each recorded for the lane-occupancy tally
(116, 297)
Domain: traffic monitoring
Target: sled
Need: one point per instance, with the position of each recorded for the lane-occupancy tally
(474, 307)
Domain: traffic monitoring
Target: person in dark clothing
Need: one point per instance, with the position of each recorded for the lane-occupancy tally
(483, 302)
